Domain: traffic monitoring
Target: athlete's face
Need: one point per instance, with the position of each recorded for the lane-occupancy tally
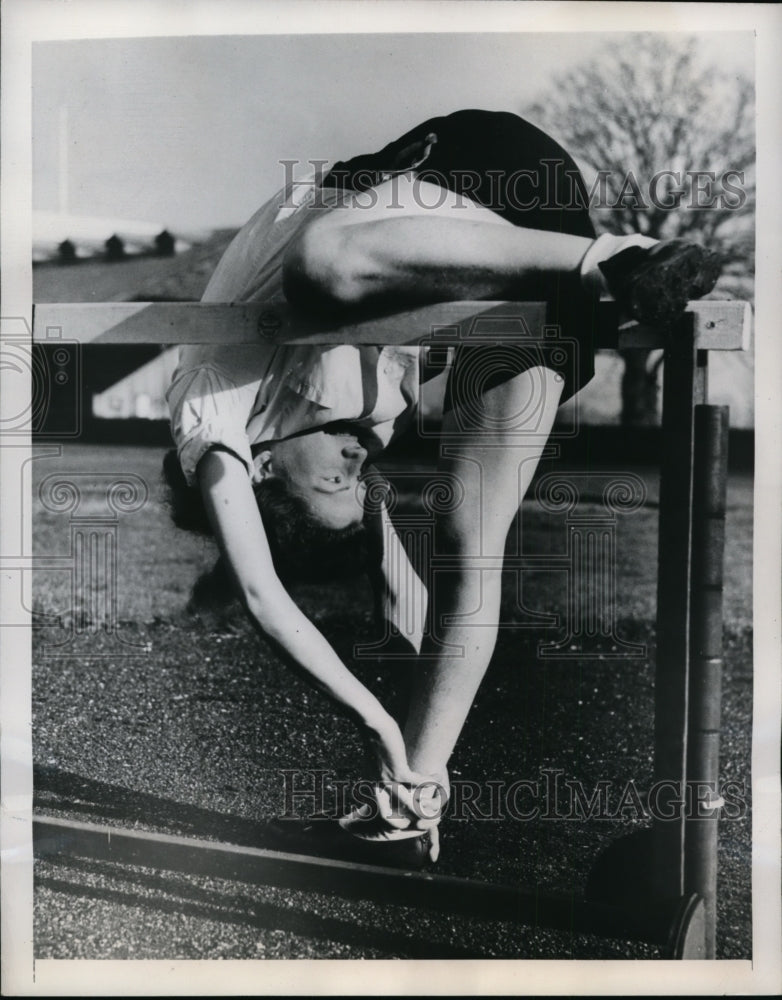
(324, 468)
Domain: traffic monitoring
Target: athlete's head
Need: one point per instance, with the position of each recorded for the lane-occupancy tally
(322, 469)
(311, 501)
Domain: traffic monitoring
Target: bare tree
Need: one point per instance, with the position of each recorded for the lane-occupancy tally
(667, 148)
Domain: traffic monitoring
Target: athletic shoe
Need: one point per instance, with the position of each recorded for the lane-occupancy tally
(326, 838)
(654, 284)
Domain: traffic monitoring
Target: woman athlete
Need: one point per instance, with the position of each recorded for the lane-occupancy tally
(474, 205)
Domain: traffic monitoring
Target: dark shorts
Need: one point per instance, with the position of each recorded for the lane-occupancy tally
(513, 168)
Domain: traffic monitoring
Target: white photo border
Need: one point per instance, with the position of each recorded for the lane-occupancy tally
(26, 21)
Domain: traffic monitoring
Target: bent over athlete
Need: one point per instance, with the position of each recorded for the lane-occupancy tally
(435, 215)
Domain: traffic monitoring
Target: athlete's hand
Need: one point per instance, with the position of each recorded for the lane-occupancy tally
(402, 799)
(398, 810)
(414, 793)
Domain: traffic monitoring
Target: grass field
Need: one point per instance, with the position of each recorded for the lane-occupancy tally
(184, 726)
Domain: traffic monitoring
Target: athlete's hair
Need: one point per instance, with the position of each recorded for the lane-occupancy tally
(303, 549)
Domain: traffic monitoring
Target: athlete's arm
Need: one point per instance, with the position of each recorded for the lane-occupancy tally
(239, 531)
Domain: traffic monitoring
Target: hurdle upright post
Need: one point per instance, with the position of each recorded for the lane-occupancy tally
(708, 545)
(683, 387)
(693, 479)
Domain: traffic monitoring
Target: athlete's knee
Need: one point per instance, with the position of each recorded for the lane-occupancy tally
(321, 268)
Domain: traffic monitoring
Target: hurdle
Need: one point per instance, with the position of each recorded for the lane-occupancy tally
(680, 913)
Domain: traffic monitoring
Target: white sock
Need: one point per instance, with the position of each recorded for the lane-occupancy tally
(605, 246)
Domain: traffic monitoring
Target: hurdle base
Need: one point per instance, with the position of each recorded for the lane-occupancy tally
(688, 931)
(671, 925)
(623, 877)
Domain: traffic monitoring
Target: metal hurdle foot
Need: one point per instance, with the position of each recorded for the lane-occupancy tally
(674, 926)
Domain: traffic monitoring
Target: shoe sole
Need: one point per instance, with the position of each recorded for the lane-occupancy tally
(656, 291)
(325, 838)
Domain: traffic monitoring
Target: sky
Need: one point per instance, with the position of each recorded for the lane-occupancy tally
(188, 132)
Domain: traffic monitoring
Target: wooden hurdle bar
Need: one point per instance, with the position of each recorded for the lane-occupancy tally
(681, 851)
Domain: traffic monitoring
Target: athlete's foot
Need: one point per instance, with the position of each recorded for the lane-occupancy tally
(652, 280)
(327, 838)
(388, 819)
(654, 284)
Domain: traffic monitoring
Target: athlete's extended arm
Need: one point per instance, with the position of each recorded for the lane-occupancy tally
(239, 531)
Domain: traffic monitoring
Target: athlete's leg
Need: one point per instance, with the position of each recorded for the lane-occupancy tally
(408, 242)
(413, 242)
(495, 468)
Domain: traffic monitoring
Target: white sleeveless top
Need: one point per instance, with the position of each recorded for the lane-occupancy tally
(239, 397)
